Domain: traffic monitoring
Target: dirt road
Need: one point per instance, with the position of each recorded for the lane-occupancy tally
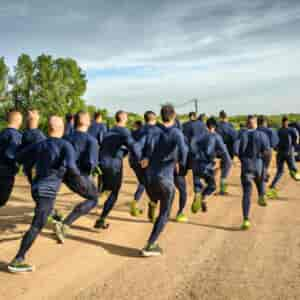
(208, 258)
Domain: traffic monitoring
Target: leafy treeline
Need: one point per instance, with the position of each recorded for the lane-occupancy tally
(47, 84)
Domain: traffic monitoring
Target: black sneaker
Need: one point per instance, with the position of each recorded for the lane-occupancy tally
(100, 224)
(152, 250)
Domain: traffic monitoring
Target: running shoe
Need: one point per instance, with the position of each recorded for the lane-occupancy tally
(152, 250)
(19, 266)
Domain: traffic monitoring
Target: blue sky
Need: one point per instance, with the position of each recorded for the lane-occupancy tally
(237, 55)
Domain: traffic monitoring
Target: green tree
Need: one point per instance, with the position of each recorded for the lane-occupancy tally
(3, 77)
(23, 82)
(59, 85)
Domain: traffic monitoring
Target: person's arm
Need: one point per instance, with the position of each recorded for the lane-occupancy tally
(266, 150)
(14, 143)
(27, 154)
(225, 157)
(274, 139)
(132, 145)
(93, 155)
(70, 160)
(182, 150)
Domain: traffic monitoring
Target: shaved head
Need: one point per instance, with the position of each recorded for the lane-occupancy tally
(33, 118)
(56, 126)
(14, 119)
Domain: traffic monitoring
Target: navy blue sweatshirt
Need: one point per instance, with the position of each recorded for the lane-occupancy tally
(228, 134)
(116, 144)
(86, 151)
(254, 150)
(54, 158)
(204, 151)
(287, 140)
(163, 150)
(193, 129)
(10, 140)
(31, 136)
(272, 135)
(98, 131)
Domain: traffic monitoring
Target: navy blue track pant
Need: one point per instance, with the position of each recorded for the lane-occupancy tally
(43, 209)
(180, 184)
(247, 179)
(88, 192)
(281, 159)
(160, 190)
(209, 178)
(112, 179)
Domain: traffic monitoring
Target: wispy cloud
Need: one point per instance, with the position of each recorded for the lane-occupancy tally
(231, 52)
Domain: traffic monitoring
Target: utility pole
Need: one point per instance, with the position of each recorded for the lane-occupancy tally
(196, 102)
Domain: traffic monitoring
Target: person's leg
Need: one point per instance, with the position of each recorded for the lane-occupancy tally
(139, 192)
(6, 187)
(153, 200)
(116, 182)
(280, 170)
(210, 185)
(43, 209)
(167, 192)
(180, 184)
(246, 180)
(291, 162)
(198, 188)
(90, 193)
(100, 183)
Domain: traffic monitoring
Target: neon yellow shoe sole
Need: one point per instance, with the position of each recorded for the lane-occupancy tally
(182, 218)
(246, 225)
(197, 203)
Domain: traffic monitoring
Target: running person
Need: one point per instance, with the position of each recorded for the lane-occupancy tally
(10, 140)
(163, 151)
(204, 151)
(54, 157)
(254, 152)
(137, 134)
(273, 139)
(116, 144)
(229, 135)
(86, 154)
(288, 139)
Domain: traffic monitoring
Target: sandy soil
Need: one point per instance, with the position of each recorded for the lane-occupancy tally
(208, 258)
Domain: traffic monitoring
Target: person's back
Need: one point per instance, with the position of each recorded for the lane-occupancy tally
(228, 133)
(113, 141)
(32, 136)
(164, 151)
(205, 148)
(195, 128)
(53, 158)
(272, 135)
(98, 129)
(252, 147)
(287, 140)
(10, 140)
(86, 150)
